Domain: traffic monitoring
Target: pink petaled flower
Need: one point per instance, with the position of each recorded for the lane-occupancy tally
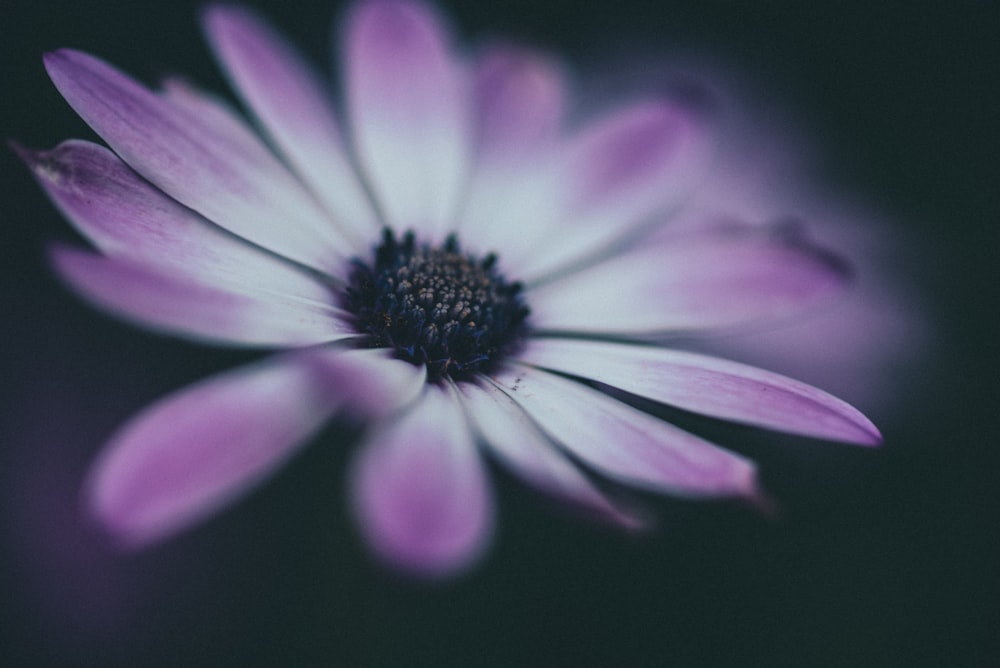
(451, 261)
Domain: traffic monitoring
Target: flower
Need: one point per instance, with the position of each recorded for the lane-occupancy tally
(452, 263)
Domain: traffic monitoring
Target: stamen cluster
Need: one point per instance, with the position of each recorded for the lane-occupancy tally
(437, 306)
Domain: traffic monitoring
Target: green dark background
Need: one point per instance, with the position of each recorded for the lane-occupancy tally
(881, 558)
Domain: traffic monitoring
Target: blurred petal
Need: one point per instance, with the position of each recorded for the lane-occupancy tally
(199, 159)
(126, 217)
(520, 98)
(691, 282)
(199, 449)
(182, 306)
(295, 108)
(519, 104)
(420, 491)
(409, 112)
(371, 383)
(620, 174)
(624, 443)
(637, 159)
(532, 456)
(512, 212)
(708, 385)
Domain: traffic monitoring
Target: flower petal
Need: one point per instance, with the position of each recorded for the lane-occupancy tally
(708, 385)
(520, 98)
(637, 160)
(200, 160)
(182, 306)
(409, 112)
(620, 174)
(126, 217)
(531, 455)
(370, 383)
(419, 489)
(199, 449)
(295, 108)
(690, 282)
(625, 443)
(519, 105)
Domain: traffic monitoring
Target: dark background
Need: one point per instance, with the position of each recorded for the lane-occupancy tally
(886, 557)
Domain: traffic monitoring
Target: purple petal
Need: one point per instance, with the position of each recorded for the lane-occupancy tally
(295, 108)
(520, 100)
(619, 174)
(409, 112)
(519, 104)
(199, 159)
(420, 491)
(708, 385)
(625, 443)
(531, 455)
(227, 314)
(638, 159)
(691, 282)
(199, 449)
(126, 217)
(370, 382)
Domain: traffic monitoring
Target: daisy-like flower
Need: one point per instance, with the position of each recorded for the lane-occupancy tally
(448, 260)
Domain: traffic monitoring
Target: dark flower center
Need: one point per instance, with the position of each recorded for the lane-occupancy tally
(437, 306)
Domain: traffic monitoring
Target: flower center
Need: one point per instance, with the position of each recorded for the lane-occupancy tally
(437, 306)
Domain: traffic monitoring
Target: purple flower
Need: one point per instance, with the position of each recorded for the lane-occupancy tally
(446, 262)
